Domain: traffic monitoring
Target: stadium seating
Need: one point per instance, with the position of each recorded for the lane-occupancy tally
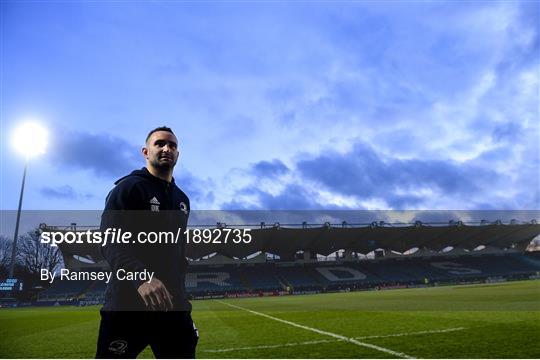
(65, 289)
(321, 276)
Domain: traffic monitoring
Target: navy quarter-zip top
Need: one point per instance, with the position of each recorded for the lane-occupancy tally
(142, 203)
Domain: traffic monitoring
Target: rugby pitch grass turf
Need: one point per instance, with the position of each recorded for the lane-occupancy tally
(471, 321)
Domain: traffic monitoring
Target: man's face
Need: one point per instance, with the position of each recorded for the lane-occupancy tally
(161, 150)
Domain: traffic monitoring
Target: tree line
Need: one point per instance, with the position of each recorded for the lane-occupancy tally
(31, 257)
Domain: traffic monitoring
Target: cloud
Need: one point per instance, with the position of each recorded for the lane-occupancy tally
(364, 174)
(197, 189)
(111, 157)
(293, 197)
(509, 131)
(270, 169)
(365, 179)
(105, 155)
(59, 192)
(64, 192)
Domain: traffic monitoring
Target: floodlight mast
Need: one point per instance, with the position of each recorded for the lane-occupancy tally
(38, 138)
(16, 235)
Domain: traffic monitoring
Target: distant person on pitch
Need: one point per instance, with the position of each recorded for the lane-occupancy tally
(155, 312)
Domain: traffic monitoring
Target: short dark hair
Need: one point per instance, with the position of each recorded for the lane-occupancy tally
(161, 128)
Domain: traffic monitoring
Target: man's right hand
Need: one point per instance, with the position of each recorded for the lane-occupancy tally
(155, 295)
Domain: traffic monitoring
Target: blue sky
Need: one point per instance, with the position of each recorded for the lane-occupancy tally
(321, 105)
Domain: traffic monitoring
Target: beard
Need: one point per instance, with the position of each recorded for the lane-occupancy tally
(163, 164)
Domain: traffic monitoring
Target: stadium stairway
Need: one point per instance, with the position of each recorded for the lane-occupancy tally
(284, 283)
(316, 279)
(532, 260)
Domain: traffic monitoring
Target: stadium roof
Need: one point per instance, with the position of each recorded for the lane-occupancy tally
(327, 239)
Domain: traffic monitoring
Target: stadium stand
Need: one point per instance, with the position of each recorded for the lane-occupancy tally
(226, 271)
(65, 290)
(203, 280)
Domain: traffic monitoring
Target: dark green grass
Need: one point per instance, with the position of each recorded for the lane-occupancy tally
(492, 321)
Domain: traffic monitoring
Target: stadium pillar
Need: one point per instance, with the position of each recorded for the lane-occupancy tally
(16, 235)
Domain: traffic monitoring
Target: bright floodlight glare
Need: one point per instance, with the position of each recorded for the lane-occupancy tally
(30, 139)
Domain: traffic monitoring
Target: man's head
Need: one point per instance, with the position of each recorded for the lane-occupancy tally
(161, 149)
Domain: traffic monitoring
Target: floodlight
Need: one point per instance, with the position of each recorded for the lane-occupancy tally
(30, 139)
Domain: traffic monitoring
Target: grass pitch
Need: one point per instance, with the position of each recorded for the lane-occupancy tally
(472, 321)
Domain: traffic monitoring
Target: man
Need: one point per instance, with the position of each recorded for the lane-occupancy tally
(141, 312)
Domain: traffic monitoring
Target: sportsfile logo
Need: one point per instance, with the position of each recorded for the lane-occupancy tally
(112, 236)
(120, 236)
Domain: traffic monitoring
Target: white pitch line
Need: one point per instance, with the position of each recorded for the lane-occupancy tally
(329, 341)
(322, 332)
(269, 346)
(411, 333)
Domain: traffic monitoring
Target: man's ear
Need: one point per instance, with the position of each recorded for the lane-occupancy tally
(144, 151)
